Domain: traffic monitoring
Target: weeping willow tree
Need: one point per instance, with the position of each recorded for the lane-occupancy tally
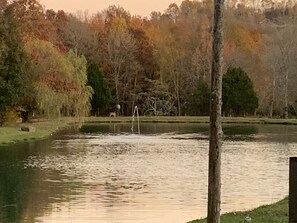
(58, 81)
(80, 102)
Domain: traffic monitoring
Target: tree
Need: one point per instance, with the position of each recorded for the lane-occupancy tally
(115, 12)
(170, 58)
(12, 63)
(216, 133)
(122, 65)
(198, 102)
(173, 12)
(145, 50)
(102, 95)
(239, 97)
(31, 20)
(79, 93)
(281, 56)
(49, 72)
(243, 39)
(79, 35)
(157, 100)
(58, 80)
(201, 59)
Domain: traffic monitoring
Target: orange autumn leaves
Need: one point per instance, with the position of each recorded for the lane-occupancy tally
(241, 37)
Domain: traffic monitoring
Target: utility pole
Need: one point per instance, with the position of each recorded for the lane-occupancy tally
(216, 133)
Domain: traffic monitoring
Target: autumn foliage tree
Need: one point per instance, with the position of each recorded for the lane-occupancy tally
(122, 66)
(31, 20)
(168, 53)
(58, 80)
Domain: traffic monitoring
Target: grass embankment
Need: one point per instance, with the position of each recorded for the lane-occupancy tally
(274, 213)
(11, 133)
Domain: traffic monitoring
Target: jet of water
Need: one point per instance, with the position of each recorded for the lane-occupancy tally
(135, 112)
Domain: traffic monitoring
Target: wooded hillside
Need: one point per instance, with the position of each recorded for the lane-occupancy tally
(52, 62)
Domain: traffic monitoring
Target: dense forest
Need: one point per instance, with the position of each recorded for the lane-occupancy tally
(53, 63)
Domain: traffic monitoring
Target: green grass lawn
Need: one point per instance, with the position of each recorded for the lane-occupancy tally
(11, 133)
(274, 213)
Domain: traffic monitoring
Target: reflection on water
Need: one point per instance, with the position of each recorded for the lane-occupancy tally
(105, 174)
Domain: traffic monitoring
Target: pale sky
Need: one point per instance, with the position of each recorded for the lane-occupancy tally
(135, 7)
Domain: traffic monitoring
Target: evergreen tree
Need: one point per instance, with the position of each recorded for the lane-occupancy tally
(198, 103)
(102, 95)
(12, 62)
(239, 97)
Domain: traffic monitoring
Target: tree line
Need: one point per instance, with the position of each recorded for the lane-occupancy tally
(53, 63)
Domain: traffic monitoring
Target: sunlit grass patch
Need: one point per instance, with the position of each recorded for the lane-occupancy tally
(274, 213)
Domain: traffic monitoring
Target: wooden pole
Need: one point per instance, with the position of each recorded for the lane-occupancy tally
(293, 191)
(216, 133)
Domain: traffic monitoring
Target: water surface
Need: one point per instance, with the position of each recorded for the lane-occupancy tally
(105, 174)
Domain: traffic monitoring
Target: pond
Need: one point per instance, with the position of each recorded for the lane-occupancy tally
(103, 173)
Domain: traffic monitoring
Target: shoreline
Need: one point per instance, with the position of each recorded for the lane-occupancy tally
(11, 133)
(192, 119)
(277, 212)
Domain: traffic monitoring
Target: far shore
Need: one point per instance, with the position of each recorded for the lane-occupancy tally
(194, 119)
(11, 132)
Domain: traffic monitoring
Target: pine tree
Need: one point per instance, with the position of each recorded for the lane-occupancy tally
(239, 97)
(102, 95)
(198, 103)
(12, 62)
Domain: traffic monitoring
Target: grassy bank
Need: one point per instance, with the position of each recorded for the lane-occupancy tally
(194, 119)
(274, 213)
(11, 133)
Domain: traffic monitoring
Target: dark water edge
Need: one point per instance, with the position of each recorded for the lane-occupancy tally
(277, 133)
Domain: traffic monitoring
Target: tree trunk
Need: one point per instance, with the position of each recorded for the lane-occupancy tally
(175, 76)
(216, 133)
(116, 83)
(286, 112)
(273, 97)
(134, 94)
(178, 99)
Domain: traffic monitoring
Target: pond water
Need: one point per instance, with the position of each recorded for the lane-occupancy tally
(102, 173)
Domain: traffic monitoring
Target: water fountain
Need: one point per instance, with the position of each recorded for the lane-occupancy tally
(135, 111)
